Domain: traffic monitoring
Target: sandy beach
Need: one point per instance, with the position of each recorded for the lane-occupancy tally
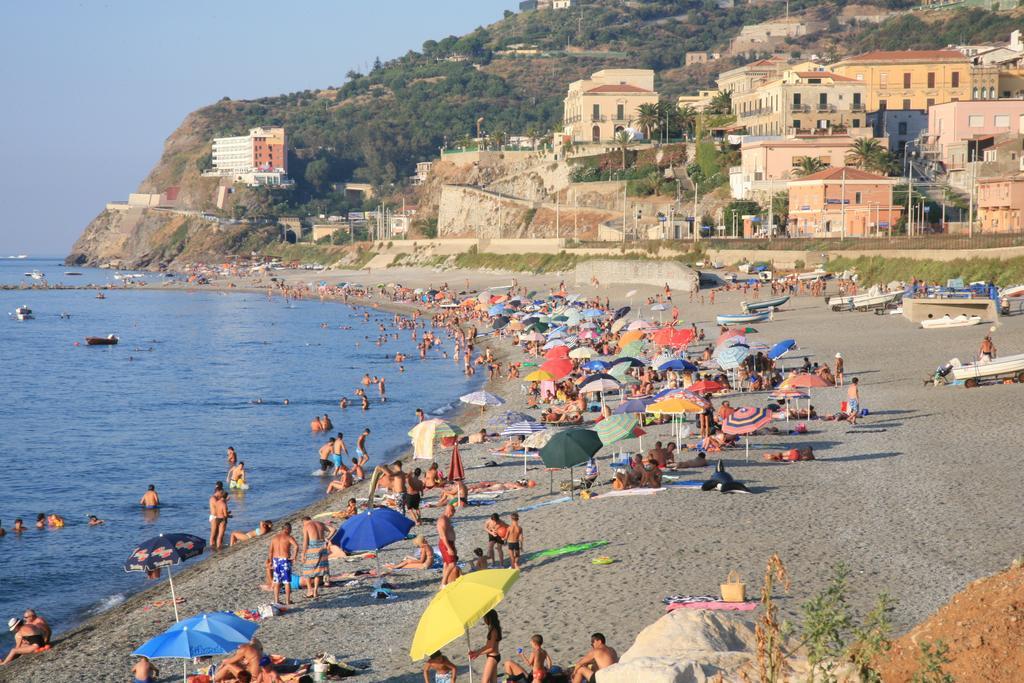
(918, 499)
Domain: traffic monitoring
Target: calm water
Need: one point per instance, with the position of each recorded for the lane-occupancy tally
(85, 429)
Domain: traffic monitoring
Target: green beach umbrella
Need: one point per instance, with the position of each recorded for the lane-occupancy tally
(616, 428)
(632, 349)
(570, 448)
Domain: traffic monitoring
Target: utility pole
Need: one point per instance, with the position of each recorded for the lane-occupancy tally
(575, 217)
(910, 198)
(842, 207)
(623, 211)
(557, 216)
(696, 227)
(970, 212)
(771, 207)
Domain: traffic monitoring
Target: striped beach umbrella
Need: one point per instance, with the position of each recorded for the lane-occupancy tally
(510, 417)
(745, 421)
(615, 428)
(731, 357)
(523, 428)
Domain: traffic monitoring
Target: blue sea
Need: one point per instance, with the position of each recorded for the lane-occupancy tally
(86, 429)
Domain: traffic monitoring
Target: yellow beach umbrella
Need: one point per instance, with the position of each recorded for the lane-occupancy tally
(539, 376)
(584, 352)
(458, 606)
(618, 325)
(424, 434)
(674, 406)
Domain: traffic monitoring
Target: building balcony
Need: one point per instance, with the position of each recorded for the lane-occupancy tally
(857, 106)
(598, 119)
(798, 108)
(824, 108)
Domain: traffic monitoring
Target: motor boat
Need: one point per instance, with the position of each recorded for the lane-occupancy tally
(1012, 292)
(71, 272)
(767, 304)
(23, 313)
(864, 302)
(948, 321)
(1007, 367)
(109, 340)
(36, 275)
(101, 295)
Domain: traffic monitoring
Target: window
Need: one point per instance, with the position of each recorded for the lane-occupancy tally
(856, 100)
(823, 99)
(902, 128)
(796, 99)
(884, 79)
(956, 79)
(931, 79)
(856, 197)
(796, 123)
(930, 102)
(882, 104)
(906, 104)
(597, 112)
(974, 94)
(855, 123)
(975, 121)
(1002, 121)
(620, 112)
(991, 93)
(906, 80)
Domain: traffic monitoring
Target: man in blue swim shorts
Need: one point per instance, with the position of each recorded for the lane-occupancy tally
(283, 551)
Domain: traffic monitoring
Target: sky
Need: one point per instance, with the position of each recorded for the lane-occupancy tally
(93, 88)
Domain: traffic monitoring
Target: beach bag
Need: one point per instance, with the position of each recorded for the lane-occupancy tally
(733, 590)
(268, 611)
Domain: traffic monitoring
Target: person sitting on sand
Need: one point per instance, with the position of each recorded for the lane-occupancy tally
(239, 536)
(478, 437)
(144, 672)
(343, 482)
(434, 477)
(600, 657)
(150, 499)
(442, 667)
(513, 445)
(479, 561)
(650, 478)
(30, 617)
(658, 454)
(699, 461)
(245, 658)
(28, 639)
(424, 560)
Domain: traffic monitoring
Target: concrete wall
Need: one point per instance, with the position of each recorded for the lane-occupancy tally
(471, 211)
(654, 273)
(787, 259)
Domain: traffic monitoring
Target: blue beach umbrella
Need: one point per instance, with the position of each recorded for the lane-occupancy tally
(633, 405)
(592, 313)
(162, 551)
(678, 364)
(184, 643)
(372, 530)
(496, 309)
(732, 357)
(633, 362)
(781, 349)
(226, 625)
(596, 365)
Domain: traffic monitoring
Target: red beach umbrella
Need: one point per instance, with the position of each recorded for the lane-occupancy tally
(557, 352)
(670, 336)
(455, 470)
(705, 386)
(559, 367)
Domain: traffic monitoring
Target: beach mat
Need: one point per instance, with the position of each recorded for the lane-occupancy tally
(627, 492)
(713, 605)
(686, 483)
(566, 550)
(543, 504)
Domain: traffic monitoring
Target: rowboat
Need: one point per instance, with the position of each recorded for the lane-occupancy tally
(1009, 367)
(742, 318)
(947, 321)
(753, 306)
(863, 302)
(1011, 292)
(109, 340)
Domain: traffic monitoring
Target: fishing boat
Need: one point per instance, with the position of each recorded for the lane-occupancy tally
(23, 313)
(742, 318)
(767, 304)
(947, 321)
(864, 302)
(1008, 367)
(109, 340)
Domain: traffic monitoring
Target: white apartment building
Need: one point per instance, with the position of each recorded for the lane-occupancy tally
(259, 158)
(232, 155)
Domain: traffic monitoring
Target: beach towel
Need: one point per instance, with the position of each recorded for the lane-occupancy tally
(680, 599)
(314, 562)
(713, 605)
(686, 483)
(545, 503)
(566, 550)
(627, 492)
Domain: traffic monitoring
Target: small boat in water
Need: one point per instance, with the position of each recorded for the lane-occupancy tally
(101, 295)
(36, 275)
(961, 320)
(767, 304)
(23, 313)
(109, 340)
(71, 272)
(742, 318)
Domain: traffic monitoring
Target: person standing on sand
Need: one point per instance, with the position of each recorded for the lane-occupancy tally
(853, 400)
(412, 494)
(515, 541)
(987, 353)
(839, 370)
(144, 671)
(338, 449)
(283, 550)
(150, 499)
(219, 514)
(446, 544)
(315, 565)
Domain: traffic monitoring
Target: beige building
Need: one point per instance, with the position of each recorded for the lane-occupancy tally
(599, 107)
(748, 77)
(701, 57)
(802, 102)
(771, 35)
(698, 102)
(1000, 204)
(911, 79)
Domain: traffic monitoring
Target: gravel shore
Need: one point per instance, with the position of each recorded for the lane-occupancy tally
(918, 499)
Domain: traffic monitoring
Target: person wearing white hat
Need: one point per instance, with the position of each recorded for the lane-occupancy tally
(28, 639)
(839, 370)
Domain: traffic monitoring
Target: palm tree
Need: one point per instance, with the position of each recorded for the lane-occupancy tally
(721, 103)
(884, 163)
(687, 117)
(806, 166)
(648, 117)
(864, 153)
(623, 139)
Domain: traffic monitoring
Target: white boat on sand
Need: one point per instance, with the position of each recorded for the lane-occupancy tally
(947, 321)
(864, 302)
(1008, 367)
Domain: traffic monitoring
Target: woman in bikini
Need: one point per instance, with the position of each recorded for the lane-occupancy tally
(239, 536)
(490, 649)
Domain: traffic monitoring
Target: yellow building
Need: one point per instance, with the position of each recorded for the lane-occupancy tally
(910, 79)
(599, 107)
(802, 102)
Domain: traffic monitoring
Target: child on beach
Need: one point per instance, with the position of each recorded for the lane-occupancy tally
(515, 541)
(479, 561)
(538, 661)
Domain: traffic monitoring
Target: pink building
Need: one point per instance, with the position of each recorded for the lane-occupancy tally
(841, 202)
(1000, 204)
(767, 165)
(953, 125)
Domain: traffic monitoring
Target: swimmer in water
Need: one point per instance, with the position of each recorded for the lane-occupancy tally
(94, 520)
(150, 499)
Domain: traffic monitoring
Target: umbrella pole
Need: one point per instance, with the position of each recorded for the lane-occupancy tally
(174, 599)
(571, 483)
(470, 646)
(748, 448)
